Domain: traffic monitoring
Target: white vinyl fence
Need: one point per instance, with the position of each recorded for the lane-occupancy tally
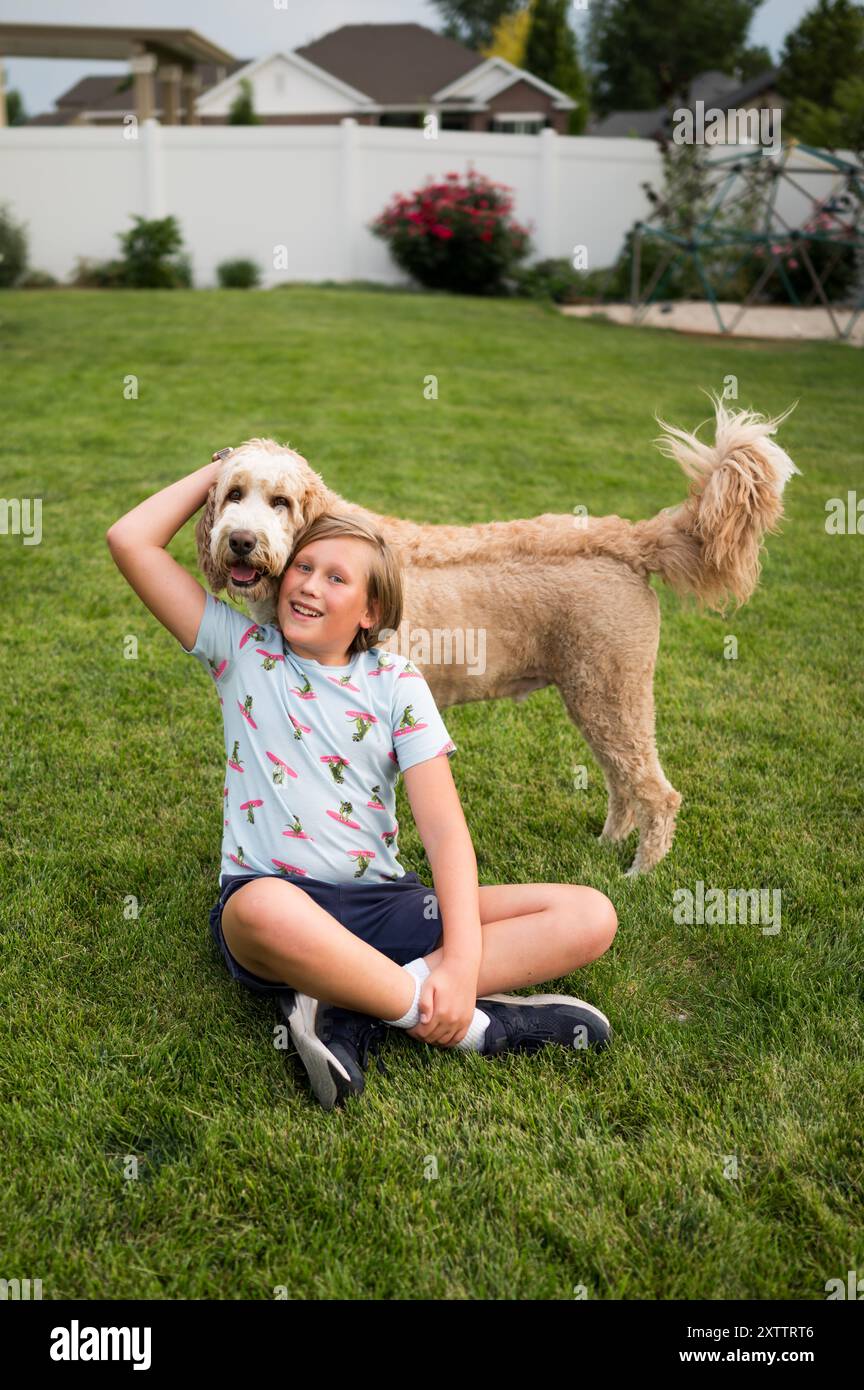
(297, 199)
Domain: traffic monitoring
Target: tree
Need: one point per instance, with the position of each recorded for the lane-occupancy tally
(551, 53)
(511, 33)
(823, 53)
(839, 126)
(473, 22)
(753, 61)
(15, 113)
(242, 111)
(647, 52)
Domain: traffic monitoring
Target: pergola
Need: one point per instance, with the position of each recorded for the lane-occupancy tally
(173, 52)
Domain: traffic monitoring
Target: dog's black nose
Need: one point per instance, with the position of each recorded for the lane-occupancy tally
(241, 542)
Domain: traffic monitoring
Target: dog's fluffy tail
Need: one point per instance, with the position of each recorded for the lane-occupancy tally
(709, 545)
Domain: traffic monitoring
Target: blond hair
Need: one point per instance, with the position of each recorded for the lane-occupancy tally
(384, 593)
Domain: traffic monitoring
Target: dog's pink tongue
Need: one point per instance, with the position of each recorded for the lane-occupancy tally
(242, 572)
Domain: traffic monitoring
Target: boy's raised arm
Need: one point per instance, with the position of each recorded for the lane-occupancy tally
(137, 543)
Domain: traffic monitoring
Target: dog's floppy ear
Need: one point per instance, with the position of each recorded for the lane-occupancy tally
(203, 530)
(316, 498)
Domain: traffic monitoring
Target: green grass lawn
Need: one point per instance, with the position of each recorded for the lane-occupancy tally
(123, 1035)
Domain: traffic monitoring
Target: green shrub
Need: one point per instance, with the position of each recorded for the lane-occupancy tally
(183, 271)
(242, 110)
(455, 235)
(151, 259)
(13, 248)
(557, 280)
(834, 261)
(238, 275)
(98, 275)
(151, 254)
(680, 279)
(36, 280)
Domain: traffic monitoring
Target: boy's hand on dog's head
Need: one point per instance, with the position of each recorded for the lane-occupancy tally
(221, 454)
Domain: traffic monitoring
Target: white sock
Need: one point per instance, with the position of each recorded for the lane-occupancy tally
(411, 1017)
(473, 1039)
(418, 967)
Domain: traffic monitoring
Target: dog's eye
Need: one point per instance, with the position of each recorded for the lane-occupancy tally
(234, 495)
(280, 502)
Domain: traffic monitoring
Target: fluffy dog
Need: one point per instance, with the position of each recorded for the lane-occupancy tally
(562, 600)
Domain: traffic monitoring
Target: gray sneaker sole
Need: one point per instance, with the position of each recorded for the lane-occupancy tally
(327, 1076)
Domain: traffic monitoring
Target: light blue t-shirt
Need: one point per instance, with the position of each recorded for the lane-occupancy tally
(312, 751)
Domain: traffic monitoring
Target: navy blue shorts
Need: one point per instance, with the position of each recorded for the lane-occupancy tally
(399, 918)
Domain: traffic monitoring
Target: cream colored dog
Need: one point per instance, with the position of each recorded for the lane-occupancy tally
(561, 600)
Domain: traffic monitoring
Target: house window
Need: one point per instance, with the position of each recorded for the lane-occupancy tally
(401, 118)
(455, 120)
(518, 122)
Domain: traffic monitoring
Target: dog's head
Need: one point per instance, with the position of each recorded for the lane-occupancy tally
(264, 496)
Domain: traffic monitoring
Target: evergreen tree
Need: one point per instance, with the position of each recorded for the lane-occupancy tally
(647, 52)
(551, 53)
(242, 111)
(752, 62)
(826, 48)
(15, 113)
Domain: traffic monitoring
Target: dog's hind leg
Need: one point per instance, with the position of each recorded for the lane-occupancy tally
(606, 743)
(609, 696)
(654, 800)
(622, 741)
(621, 811)
(657, 807)
(620, 816)
(603, 664)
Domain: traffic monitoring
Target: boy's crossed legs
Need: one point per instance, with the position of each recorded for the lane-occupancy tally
(530, 933)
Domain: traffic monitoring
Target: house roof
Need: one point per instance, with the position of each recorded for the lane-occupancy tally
(52, 118)
(106, 42)
(385, 64)
(114, 92)
(712, 87)
(392, 63)
(89, 93)
(642, 123)
(755, 87)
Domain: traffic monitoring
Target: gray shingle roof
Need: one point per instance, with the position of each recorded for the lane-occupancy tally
(392, 63)
(712, 87)
(643, 123)
(764, 82)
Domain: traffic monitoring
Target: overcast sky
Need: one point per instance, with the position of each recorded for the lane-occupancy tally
(254, 28)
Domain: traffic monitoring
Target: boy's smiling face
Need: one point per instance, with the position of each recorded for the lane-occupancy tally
(328, 576)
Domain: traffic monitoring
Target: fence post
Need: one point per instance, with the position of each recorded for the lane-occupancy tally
(154, 183)
(349, 178)
(547, 232)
